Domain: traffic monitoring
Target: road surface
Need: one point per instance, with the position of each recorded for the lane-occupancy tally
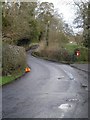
(50, 90)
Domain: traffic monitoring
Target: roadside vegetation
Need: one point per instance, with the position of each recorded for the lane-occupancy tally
(83, 58)
(9, 78)
(65, 54)
(26, 25)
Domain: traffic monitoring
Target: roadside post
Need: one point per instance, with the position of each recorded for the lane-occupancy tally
(76, 54)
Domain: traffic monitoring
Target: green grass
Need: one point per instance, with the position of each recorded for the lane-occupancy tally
(71, 47)
(0, 80)
(83, 58)
(7, 79)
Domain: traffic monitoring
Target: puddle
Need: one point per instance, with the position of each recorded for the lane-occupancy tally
(73, 100)
(70, 75)
(65, 107)
(84, 85)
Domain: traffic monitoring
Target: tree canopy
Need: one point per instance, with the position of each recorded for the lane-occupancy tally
(34, 22)
(82, 20)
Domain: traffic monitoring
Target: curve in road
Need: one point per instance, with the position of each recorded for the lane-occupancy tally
(50, 90)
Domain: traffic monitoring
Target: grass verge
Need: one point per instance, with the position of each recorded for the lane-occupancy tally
(7, 79)
(71, 47)
(83, 58)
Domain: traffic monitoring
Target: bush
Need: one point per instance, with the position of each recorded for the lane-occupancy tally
(64, 54)
(71, 48)
(59, 54)
(13, 59)
(83, 54)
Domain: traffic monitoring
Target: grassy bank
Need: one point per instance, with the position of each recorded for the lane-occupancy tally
(71, 47)
(7, 79)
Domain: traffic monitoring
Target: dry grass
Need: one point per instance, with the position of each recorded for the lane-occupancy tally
(58, 53)
(53, 51)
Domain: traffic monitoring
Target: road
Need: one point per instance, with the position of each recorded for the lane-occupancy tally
(50, 90)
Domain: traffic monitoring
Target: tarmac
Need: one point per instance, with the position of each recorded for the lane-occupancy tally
(83, 67)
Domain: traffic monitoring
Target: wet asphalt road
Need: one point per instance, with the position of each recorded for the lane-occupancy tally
(50, 90)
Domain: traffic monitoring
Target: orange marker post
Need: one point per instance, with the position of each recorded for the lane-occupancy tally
(27, 69)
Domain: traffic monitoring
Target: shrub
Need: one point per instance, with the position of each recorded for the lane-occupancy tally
(66, 53)
(13, 59)
(83, 54)
(59, 54)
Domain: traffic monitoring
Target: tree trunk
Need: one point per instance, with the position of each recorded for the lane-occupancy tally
(47, 35)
